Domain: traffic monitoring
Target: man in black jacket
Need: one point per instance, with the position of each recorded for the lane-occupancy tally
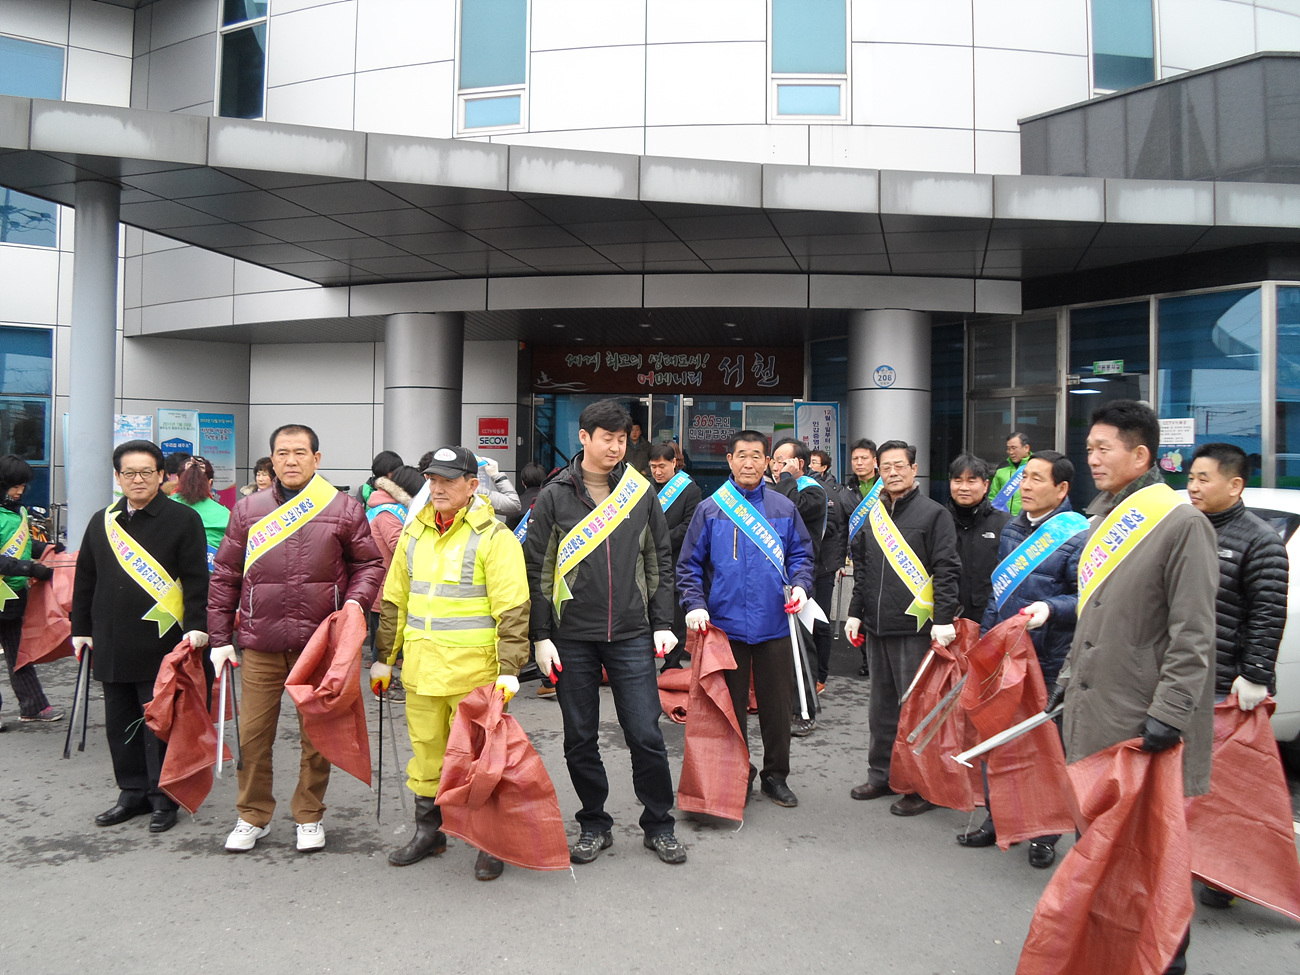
(600, 577)
(900, 618)
(1250, 606)
(830, 558)
(141, 586)
(979, 527)
(679, 496)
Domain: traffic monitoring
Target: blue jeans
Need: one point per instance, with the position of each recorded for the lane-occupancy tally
(631, 667)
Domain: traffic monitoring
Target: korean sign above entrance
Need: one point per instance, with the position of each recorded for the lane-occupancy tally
(763, 371)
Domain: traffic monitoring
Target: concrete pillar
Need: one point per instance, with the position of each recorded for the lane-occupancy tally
(93, 359)
(424, 358)
(889, 379)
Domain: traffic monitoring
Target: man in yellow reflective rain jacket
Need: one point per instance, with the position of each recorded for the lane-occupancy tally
(455, 604)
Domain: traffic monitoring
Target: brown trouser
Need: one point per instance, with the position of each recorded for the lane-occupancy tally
(262, 679)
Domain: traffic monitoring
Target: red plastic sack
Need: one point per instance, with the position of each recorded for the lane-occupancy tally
(715, 766)
(1121, 900)
(47, 632)
(178, 715)
(495, 793)
(325, 683)
(933, 773)
(1029, 790)
(1241, 832)
(674, 690)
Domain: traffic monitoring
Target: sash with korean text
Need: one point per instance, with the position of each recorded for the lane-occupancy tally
(1034, 551)
(15, 548)
(270, 531)
(1123, 530)
(905, 564)
(168, 609)
(752, 525)
(674, 486)
(1002, 501)
(586, 536)
(860, 513)
(521, 529)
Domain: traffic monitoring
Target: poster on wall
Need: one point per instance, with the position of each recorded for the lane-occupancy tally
(216, 442)
(1177, 443)
(761, 371)
(178, 431)
(818, 425)
(126, 426)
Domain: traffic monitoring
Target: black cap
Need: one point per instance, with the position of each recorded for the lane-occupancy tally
(453, 462)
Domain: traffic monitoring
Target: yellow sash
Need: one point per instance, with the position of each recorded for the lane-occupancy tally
(288, 518)
(169, 608)
(586, 536)
(905, 564)
(1120, 533)
(14, 548)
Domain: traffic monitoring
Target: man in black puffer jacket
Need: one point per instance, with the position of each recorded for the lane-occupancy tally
(979, 528)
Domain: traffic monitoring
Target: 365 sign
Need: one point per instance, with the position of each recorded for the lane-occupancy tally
(493, 433)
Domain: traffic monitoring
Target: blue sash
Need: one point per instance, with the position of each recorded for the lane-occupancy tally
(1033, 551)
(674, 486)
(393, 509)
(1003, 500)
(806, 482)
(212, 558)
(521, 529)
(752, 525)
(860, 513)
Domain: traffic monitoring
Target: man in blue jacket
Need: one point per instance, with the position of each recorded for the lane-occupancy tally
(746, 543)
(1050, 535)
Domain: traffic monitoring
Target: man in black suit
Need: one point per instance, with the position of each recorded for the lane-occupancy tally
(141, 586)
(679, 503)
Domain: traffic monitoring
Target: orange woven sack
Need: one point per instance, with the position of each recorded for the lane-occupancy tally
(47, 632)
(715, 766)
(178, 715)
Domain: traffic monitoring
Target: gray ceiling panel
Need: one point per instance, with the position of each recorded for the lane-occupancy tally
(718, 227)
(356, 248)
(635, 254)
(181, 183)
(525, 236)
(426, 244)
(304, 229)
(164, 216)
(239, 207)
(346, 197)
(622, 232)
(386, 223)
(758, 247)
(485, 216)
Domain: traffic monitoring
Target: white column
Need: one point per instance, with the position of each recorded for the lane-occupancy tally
(889, 379)
(93, 359)
(424, 358)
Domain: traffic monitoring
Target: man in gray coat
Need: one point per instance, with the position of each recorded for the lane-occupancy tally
(1140, 662)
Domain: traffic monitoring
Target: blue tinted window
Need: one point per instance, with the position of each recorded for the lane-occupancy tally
(26, 380)
(809, 37)
(238, 11)
(1123, 44)
(30, 70)
(808, 99)
(27, 220)
(243, 72)
(1288, 387)
(483, 113)
(1209, 367)
(26, 363)
(493, 40)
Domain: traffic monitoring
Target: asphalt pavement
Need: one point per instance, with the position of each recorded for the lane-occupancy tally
(833, 883)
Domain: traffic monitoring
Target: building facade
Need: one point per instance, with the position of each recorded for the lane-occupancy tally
(421, 220)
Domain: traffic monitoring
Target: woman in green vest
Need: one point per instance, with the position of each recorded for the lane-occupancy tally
(18, 565)
(195, 489)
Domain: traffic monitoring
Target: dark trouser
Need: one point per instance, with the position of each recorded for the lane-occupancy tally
(772, 666)
(1050, 838)
(26, 685)
(893, 662)
(137, 753)
(631, 666)
(673, 658)
(824, 633)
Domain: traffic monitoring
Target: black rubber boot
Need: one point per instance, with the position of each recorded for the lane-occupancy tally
(428, 840)
(487, 867)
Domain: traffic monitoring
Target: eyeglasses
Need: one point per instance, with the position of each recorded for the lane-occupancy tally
(136, 475)
(894, 466)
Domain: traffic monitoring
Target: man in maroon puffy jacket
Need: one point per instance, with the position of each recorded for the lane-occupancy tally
(291, 557)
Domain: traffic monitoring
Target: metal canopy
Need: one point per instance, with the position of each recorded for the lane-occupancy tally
(338, 207)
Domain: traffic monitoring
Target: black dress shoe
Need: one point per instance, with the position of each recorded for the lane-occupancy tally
(779, 792)
(911, 805)
(487, 867)
(869, 791)
(1041, 855)
(120, 814)
(986, 835)
(161, 820)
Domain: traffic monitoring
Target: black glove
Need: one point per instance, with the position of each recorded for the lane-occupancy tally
(59, 548)
(39, 570)
(1157, 736)
(1054, 697)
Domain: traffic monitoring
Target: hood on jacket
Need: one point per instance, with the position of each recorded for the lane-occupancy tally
(384, 486)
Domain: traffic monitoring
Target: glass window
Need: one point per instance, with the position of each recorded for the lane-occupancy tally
(990, 357)
(27, 220)
(947, 403)
(493, 57)
(29, 70)
(481, 113)
(1209, 370)
(26, 381)
(1288, 387)
(1123, 44)
(1036, 353)
(242, 86)
(809, 59)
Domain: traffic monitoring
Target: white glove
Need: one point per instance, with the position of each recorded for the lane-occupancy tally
(1249, 696)
(220, 656)
(943, 633)
(80, 643)
(355, 603)
(490, 467)
(1037, 613)
(697, 619)
(381, 675)
(509, 685)
(665, 640)
(852, 625)
(198, 639)
(797, 599)
(548, 659)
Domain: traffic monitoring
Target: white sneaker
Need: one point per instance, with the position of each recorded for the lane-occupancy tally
(245, 836)
(311, 837)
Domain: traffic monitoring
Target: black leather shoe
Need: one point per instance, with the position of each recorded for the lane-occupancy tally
(120, 814)
(1041, 855)
(779, 792)
(161, 820)
(487, 867)
(985, 835)
(911, 805)
(868, 791)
